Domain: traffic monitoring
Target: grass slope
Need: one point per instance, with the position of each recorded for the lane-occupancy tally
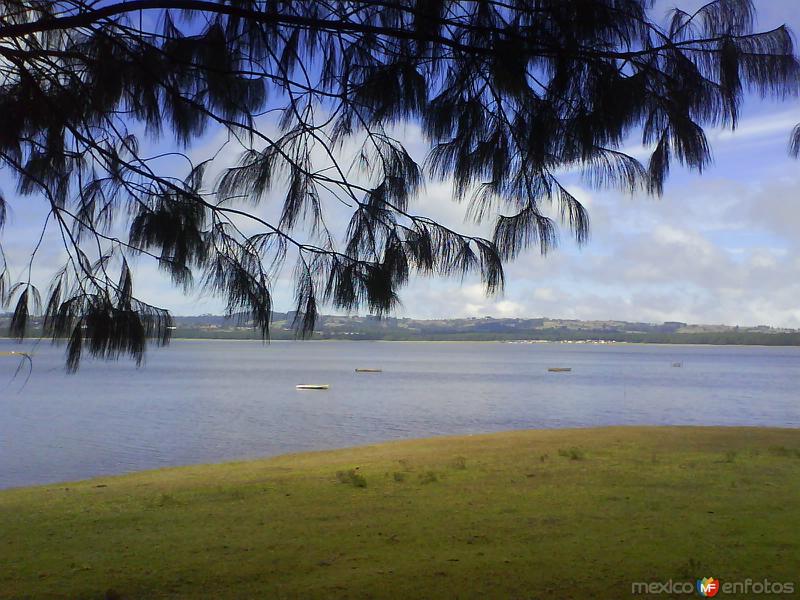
(532, 514)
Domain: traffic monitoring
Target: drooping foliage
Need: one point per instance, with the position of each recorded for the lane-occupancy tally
(306, 98)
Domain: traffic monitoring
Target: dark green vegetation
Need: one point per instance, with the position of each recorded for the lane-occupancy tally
(537, 514)
(485, 329)
(488, 328)
(331, 327)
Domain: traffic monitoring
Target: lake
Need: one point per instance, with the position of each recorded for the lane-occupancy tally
(210, 401)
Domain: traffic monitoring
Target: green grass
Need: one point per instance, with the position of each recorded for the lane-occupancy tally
(536, 514)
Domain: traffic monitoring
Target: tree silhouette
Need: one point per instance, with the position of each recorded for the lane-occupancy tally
(507, 93)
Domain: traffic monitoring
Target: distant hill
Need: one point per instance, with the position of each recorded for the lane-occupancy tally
(544, 329)
(489, 328)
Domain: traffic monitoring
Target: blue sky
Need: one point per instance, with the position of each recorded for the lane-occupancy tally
(721, 247)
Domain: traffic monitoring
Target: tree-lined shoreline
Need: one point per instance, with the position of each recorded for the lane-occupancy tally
(533, 330)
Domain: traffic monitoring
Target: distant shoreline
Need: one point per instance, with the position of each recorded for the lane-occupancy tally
(681, 341)
(548, 343)
(453, 341)
(473, 329)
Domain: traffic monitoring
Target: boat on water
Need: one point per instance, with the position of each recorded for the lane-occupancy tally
(559, 369)
(369, 370)
(677, 364)
(312, 386)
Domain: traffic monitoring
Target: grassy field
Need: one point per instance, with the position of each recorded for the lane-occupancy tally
(535, 514)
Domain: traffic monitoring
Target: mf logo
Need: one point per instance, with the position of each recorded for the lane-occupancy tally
(708, 587)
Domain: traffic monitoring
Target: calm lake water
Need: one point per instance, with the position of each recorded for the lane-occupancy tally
(209, 401)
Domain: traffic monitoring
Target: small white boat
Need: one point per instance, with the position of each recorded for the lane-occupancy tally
(312, 386)
(369, 370)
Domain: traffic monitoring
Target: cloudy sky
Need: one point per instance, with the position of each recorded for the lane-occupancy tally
(718, 248)
(723, 247)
